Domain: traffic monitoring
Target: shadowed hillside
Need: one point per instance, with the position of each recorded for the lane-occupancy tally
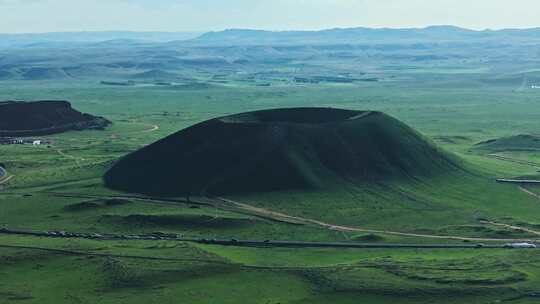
(44, 73)
(155, 75)
(272, 150)
(44, 117)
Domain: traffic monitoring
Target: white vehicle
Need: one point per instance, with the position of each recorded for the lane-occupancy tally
(520, 245)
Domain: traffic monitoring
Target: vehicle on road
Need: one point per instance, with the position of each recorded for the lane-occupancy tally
(520, 245)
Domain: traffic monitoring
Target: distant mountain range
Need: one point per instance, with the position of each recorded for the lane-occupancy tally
(359, 35)
(92, 37)
(366, 35)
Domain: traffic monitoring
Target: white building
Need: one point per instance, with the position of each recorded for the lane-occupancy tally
(36, 142)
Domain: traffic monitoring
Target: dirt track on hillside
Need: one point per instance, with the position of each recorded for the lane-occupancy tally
(529, 192)
(5, 177)
(246, 209)
(281, 216)
(76, 159)
(513, 160)
(512, 227)
(150, 128)
(154, 128)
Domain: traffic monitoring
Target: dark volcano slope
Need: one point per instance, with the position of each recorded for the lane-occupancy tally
(281, 149)
(44, 117)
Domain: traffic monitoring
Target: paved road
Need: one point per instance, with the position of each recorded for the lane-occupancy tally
(519, 181)
(248, 243)
(301, 244)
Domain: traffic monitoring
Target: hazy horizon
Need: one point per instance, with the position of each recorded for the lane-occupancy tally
(46, 16)
(269, 30)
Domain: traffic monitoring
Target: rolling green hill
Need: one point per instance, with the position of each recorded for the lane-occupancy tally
(43, 73)
(154, 75)
(282, 149)
(6, 75)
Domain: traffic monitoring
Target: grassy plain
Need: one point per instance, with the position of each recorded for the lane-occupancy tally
(456, 114)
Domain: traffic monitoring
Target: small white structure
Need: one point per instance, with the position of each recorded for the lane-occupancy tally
(36, 143)
(535, 87)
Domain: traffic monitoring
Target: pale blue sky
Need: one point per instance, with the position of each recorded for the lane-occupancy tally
(203, 15)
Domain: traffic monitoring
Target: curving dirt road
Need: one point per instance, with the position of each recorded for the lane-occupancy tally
(514, 160)
(4, 177)
(328, 226)
(154, 128)
(76, 159)
(237, 207)
(529, 192)
(150, 128)
(511, 227)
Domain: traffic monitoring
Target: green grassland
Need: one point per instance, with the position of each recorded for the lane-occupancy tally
(455, 112)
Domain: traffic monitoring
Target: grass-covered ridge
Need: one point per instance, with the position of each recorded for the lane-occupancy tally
(280, 149)
(522, 142)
